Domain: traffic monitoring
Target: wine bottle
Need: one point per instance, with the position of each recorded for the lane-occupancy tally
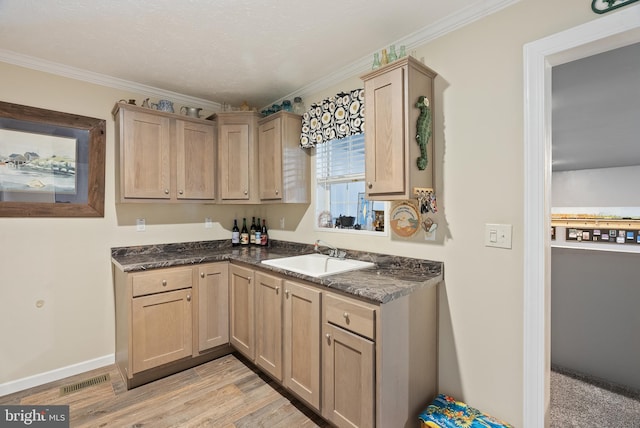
(252, 230)
(244, 233)
(235, 234)
(258, 233)
(264, 236)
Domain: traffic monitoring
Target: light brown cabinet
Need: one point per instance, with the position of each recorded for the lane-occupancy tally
(301, 340)
(166, 318)
(391, 149)
(348, 356)
(268, 323)
(212, 316)
(241, 310)
(283, 165)
(163, 157)
(238, 157)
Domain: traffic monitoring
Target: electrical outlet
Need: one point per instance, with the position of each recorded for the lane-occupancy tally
(140, 225)
(208, 223)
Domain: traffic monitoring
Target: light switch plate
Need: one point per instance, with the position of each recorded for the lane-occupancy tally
(208, 223)
(497, 235)
(140, 225)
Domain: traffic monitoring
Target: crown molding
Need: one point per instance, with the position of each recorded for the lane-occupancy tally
(102, 79)
(438, 29)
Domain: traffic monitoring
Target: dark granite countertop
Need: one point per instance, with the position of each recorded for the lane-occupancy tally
(391, 278)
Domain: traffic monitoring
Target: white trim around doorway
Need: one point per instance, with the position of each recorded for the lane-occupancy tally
(605, 33)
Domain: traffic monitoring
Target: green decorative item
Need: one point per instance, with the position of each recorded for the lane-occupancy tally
(423, 127)
(603, 6)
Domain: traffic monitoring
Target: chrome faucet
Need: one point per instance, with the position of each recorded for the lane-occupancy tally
(333, 251)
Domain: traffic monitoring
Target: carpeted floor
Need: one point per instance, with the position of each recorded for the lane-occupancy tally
(581, 402)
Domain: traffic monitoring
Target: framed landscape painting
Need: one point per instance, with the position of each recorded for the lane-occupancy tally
(51, 163)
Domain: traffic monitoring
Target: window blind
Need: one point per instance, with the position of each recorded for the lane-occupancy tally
(340, 161)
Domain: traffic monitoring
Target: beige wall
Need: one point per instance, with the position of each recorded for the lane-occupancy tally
(479, 150)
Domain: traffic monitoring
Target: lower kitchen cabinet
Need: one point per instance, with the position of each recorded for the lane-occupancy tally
(348, 363)
(212, 316)
(241, 310)
(301, 340)
(268, 327)
(161, 313)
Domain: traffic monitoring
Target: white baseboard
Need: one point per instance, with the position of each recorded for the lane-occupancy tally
(57, 374)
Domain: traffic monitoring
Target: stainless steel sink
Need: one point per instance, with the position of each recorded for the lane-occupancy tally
(317, 265)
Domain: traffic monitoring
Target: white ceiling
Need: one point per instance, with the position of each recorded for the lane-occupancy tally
(263, 51)
(224, 50)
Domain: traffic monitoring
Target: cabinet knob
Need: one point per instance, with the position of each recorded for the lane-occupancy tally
(188, 297)
(166, 191)
(164, 282)
(181, 192)
(277, 191)
(277, 290)
(370, 185)
(328, 336)
(286, 293)
(246, 192)
(201, 274)
(346, 315)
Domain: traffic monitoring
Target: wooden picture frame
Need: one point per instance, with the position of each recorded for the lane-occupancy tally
(52, 164)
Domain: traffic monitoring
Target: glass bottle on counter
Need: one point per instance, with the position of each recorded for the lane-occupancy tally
(244, 233)
(258, 234)
(252, 230)
(235, 234)
(264, 236)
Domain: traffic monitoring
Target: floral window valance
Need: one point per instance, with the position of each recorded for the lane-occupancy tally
(335, 117)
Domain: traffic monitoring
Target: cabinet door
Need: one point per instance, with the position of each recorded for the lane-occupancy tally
(234, 161)
(161, 329)
(384, 133)
(241, 306)
(213, 305)
(196, 160)
(348, 378)
(268, 324)
(302, 342)
(270, 159)
(145, 156)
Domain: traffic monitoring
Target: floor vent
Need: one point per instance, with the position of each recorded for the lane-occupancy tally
(84, 384)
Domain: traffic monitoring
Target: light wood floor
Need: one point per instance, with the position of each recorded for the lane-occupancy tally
(221, 393)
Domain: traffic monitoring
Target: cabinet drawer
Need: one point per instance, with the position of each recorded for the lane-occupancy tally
(161, 280)
(351, 316)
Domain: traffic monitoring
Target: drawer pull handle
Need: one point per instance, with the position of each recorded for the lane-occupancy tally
(201, 274)
(188, 297)
(181, 192)
(370, 185)
(164, 282)
(166, 191)
(346, 315)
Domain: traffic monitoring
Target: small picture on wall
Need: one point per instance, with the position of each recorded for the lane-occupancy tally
(620, 240)
(586, 235)
(621, 233)
(605, 236)
(630, 235)
(638, 237)
(596, 232)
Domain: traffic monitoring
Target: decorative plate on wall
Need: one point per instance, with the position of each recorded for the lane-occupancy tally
(404, 220)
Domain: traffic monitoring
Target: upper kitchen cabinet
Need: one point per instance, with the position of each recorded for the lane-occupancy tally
(283, 166)
(238, 157)
(164, 157)
(395, 114)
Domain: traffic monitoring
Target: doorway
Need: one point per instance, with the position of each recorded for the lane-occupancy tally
(608, 32)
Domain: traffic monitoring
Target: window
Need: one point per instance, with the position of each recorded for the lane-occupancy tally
(340, 190)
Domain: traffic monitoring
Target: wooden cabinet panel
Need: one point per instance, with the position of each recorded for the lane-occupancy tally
(163, 156)
(241, 307)
(391, 149)
(234, 161)
(348, 378)
(161, 329)
(145, 156)
(212, 318)
(283, 165)
(196, 160)
(268, 323)
(161, 280)
(301, 338)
